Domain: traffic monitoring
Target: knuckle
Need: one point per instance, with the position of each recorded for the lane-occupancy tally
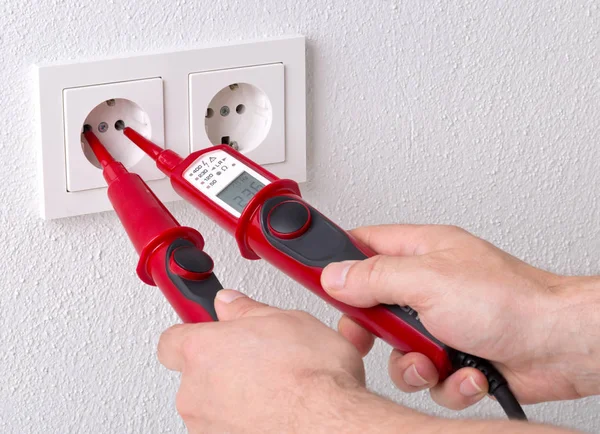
(442, 264)
(454, 230)
(248, 309)
(160, 348)
(437, 263)
(189, 348)
(288, 320)
(453, 236)
(301, 315)
(161, 356)
(164, 337)
(184, 405)
(374, 273)
(164, 342)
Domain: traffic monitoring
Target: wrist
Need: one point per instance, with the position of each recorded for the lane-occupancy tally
(339, 403)
(576, 304)
(344, 406)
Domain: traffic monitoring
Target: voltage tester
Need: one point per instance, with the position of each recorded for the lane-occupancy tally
(171, 256)
(270, 220)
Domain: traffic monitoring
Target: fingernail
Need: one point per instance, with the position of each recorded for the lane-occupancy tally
(334, 276)
(469, 387)
(228, 295)
(413, 378)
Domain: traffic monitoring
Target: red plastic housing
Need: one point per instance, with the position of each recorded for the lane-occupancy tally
(254, 245)
(151, 228)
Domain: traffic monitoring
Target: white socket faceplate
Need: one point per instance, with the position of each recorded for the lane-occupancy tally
(68, 92)
(259, 130)
(146, 117)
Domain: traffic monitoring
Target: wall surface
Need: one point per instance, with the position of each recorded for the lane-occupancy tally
(484, 114)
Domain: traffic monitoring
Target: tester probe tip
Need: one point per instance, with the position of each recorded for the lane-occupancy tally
(103, 156)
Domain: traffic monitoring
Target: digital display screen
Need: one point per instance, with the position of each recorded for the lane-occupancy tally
(240, 191)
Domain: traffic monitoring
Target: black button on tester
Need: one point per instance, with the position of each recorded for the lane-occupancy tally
(191, 263)
(289, 219)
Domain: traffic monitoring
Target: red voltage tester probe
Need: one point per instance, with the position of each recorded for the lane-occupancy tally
(270, 220)
(171, 256)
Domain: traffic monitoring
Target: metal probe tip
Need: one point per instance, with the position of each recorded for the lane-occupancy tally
(103, 156)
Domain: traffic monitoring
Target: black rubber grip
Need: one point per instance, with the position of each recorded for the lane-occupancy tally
(202, 291)
(324, 243)
(321, 244)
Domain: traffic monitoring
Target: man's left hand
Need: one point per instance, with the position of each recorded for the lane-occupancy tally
(260, 369)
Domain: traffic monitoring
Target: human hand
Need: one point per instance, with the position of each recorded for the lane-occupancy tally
(265, 370)
(261, 369)
(536, 326)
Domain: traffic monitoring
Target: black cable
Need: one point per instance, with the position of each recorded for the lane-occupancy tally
(498, 386)
(509, 403)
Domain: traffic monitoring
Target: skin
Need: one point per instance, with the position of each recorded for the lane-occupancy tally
(535, 325)
(262, 369)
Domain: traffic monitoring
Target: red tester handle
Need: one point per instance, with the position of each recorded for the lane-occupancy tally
(171, 256)
(275, 227)
(280, 227)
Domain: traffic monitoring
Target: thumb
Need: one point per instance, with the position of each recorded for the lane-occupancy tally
(380, 279)
(230, 305)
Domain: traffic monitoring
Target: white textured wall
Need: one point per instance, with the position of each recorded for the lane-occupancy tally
(484, 114)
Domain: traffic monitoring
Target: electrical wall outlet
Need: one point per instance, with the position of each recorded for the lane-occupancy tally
(241, 107)
(250, 94)
(139, 104)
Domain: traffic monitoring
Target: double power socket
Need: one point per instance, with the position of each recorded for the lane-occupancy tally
(249, 95)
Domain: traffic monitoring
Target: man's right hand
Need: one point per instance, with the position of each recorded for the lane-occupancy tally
(539, 329)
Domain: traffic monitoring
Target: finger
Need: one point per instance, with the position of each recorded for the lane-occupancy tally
(230, 305)
(382, 279)
(170, 345)
(460, 390)
(356, 335)
(412, 372)
(407, 240)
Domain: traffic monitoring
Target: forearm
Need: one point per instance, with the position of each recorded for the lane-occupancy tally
(578, 304)
(490, 427)
(350, 408)
(566, 342)
(366, 413)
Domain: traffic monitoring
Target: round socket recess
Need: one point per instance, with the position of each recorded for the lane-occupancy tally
(103, 118)
(240, 114)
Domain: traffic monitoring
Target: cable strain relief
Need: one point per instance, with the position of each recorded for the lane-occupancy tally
(494, 377)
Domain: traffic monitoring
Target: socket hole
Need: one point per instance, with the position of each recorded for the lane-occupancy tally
(86, 128)
(225, 140)
(210, 113)
(122, 111)
(249, 130)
